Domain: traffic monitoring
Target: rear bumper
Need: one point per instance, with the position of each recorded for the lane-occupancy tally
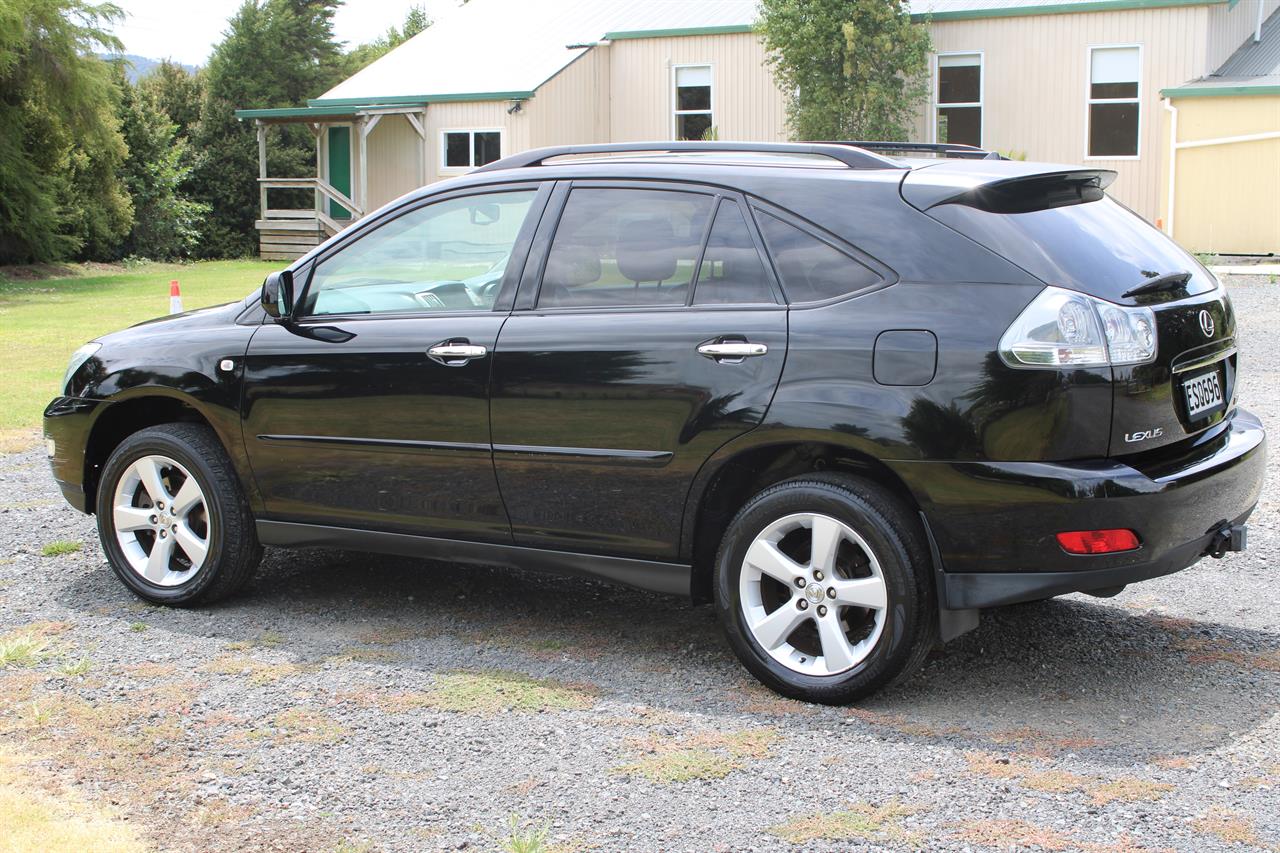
(995, 523)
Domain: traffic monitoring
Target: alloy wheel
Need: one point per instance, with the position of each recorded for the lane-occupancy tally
(161, 521)
(813, 594)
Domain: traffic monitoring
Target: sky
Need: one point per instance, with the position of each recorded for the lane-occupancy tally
(187, 30)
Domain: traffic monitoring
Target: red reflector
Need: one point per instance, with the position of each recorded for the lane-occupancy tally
(1098, 541)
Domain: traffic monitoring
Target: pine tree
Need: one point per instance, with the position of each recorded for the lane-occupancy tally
(60, 143)
(275, 54)
(166, 222)
(415, 21)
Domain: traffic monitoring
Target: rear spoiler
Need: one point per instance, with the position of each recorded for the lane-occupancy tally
(1004, 186)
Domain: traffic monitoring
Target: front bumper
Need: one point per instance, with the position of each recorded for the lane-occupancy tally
(67, 421)
(995, 523)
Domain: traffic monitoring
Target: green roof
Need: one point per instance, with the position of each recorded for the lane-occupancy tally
(319, 107)
(1228, 91)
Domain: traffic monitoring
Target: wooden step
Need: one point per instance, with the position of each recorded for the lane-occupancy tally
(288, 239)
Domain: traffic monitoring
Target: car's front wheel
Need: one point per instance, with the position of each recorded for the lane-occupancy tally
(823, 588)
(173, 521)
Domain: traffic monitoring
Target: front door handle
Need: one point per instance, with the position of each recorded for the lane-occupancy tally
(456, 353)
(731, 352)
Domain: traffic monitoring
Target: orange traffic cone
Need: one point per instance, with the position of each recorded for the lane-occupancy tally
(175, 298)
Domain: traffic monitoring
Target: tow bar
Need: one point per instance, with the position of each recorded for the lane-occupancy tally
(1228, 537)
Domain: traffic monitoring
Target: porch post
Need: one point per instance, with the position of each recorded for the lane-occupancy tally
(317, 130)
(361, 126)
(262, 167)
(426, 150)
(365, 124)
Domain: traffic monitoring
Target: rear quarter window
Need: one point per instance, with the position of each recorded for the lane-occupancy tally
(811, 269)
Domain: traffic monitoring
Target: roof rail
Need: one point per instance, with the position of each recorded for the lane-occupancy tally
(844, 152)
(942, 149)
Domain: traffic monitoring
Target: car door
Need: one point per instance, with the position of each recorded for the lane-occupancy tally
(369, 407)
(650, 333)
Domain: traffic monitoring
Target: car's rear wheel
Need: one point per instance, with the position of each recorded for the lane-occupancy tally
(823, 585)
(173, 521)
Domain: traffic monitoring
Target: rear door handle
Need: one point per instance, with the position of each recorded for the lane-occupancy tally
(456, 353)
(731, 352)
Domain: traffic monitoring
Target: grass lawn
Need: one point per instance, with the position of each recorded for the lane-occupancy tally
(43, 321)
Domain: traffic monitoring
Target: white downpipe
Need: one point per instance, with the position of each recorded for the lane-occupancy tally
(1173, 163)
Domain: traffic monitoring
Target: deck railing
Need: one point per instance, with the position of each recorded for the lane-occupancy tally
(323, 192)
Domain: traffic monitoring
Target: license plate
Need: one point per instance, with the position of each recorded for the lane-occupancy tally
(1203, 394)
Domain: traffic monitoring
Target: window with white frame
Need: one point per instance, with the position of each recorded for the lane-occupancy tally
(1115, 75)
(958, 108)
(693, 113)
(467, 149)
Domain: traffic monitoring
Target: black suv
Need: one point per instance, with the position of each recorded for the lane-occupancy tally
(849, 393)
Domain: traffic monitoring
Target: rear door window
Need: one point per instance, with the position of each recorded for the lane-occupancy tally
(624, 247)
(811, 269)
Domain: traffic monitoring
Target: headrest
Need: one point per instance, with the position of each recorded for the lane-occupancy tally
(647, 249)
(572, 266)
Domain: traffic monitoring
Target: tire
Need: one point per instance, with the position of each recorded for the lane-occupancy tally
(209, 543)
(878, 537)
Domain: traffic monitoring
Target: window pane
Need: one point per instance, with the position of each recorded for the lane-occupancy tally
(810, 269)
(1113, 65)
(962, 125)
(693, 75)
(693, 127)
(621, 247)
(457, 150)
(488, 147)
(959, 84)
(693, 98)
(1113, 90)
(447, 256)
(1113, 130)
(731, 270)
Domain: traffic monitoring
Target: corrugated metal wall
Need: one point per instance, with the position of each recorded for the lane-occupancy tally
(572, 107)
(464, 115)
(1035, 77)
(746, 103)
(1226, 194)
(395, 160)
(1229, 27)
(1036, 70)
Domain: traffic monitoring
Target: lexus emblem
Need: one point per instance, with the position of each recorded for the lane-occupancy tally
(1206, 324)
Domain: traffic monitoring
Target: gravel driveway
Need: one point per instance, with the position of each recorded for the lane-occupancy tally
(349, 702)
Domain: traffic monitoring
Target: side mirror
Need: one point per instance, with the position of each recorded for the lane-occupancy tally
(277, 294)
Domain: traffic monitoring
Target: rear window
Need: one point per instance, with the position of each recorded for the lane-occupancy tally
(811, 270)
(1098, 247)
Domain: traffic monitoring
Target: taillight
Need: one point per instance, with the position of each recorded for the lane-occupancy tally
(1063, 328)
(1099, 541)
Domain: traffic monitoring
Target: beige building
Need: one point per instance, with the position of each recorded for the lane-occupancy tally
(1080, 81)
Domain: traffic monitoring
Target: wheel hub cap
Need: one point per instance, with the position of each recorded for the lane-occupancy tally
(814, 593)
